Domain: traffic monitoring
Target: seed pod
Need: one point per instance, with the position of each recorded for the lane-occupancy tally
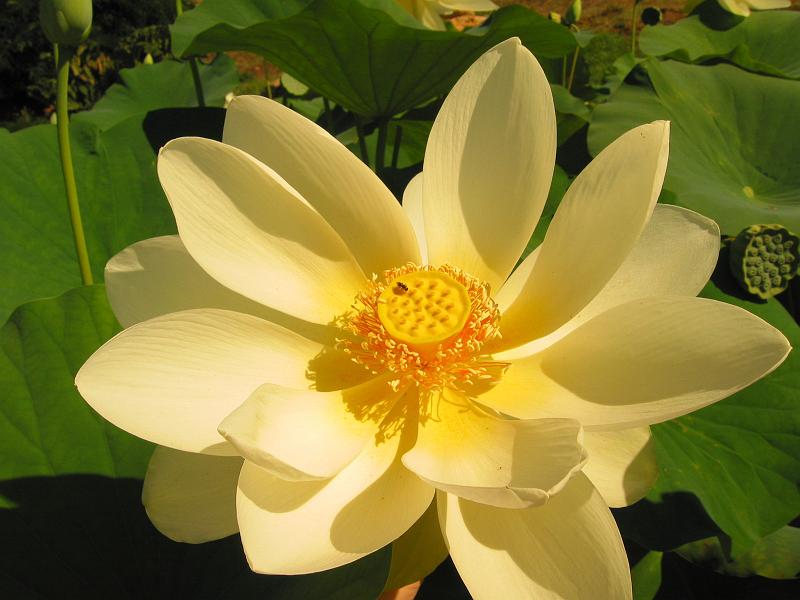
(764, 258)
(66, 22)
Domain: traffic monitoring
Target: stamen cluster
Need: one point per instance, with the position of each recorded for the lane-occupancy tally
(457, 363)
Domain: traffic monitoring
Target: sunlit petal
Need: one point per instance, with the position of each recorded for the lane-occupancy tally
(255, 234)
(358, 205)
(466, 451)
(291, 527)
(622, 464)
(171, 380)
(567, 548)
(303, 434)
(488, 164)
(641, 363)
(191, 497)
(594, 229)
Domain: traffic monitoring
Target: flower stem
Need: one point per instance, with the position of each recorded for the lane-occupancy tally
(65, 152)
(398, 139)
(198, 85)
(328, 115)
(380, 150)
(633, 27)
(362, 143)
(572, 68)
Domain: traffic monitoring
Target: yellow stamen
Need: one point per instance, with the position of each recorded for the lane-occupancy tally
(455, 322)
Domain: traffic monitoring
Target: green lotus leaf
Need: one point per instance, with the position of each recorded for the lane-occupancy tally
(166, 84)
(71, 517)
(734, 139)
(368, 56)
(740, 456)
(765, 42)
(121, 198)
(776, 556)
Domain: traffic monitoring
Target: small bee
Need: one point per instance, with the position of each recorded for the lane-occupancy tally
(401, 288)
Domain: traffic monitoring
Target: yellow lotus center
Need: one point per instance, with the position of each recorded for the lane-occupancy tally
(427, 327)
(424, 308)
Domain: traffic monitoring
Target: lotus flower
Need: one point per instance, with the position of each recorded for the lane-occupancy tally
(429, 12)
(318, 365)
(743, 7)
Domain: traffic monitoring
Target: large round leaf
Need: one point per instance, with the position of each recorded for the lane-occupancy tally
(71, 520)
(121, 198)
(765, 42)
(734, 142)
(366, 55)
(741, 456)
(166, 84)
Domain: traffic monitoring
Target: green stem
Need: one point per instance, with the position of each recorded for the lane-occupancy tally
(362, 143)
(65, 152)
(564, 71)
(572, 69)
(633, 27)
(380, 151)
(398, 139)
(328, 115)
(198, 85)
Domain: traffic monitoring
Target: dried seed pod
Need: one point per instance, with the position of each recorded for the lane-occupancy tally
(764, 258)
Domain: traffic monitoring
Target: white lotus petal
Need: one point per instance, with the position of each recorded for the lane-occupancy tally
(488, 164)
(412, 205)
(294, 527)
(253, 233)
(675, 256)
(464, 450)
(171, 380)
(594, 229)
(338, 185)
(191, 497)
(622, 464)
(158, 276)
(567, 548)
(641, 363)
(303, 434)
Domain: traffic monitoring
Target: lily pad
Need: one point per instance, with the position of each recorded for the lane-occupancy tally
(734, 142)
(766, 42)
(166, 84)
(121, 198)
(740, 456)
(71, 520)
(776, 556)
(368, 56)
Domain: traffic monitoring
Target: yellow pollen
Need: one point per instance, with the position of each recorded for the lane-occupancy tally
(422, 324)
(427, 326)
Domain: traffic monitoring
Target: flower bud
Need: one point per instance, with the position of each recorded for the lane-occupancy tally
(573, 14)
(66, 22)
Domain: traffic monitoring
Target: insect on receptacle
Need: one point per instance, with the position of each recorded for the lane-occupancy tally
(400, 288)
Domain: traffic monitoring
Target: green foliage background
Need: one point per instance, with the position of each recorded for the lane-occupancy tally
(70, 516)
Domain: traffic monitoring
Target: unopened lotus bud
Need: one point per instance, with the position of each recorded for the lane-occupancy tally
(573, 13)
(764, 258)
(554, 17)
(66, 22)
(148, 59)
